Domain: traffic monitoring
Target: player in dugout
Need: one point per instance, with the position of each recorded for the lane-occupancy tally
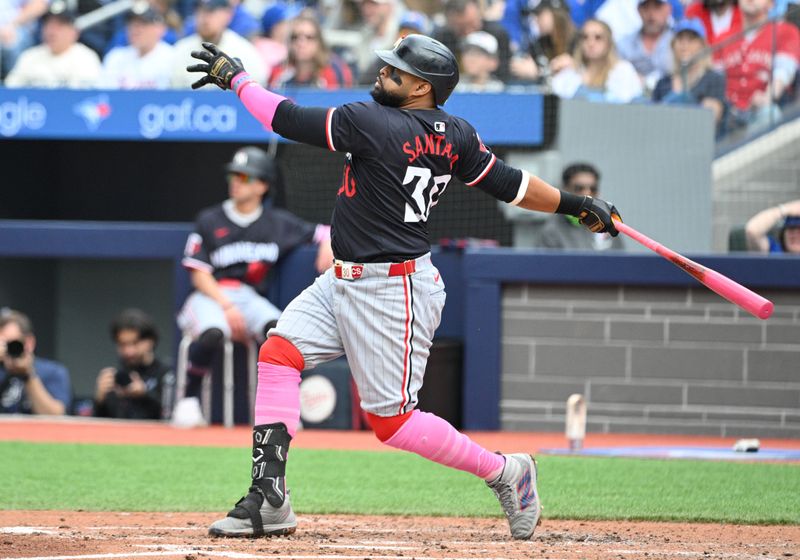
(382, 300)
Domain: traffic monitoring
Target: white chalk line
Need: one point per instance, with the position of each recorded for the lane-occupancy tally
(218, 551)
(367, 547)
(689, 554)
(241, 556)
(29, 530)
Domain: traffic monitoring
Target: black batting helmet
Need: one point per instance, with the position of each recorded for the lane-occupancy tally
(254, 161)
(425, 58)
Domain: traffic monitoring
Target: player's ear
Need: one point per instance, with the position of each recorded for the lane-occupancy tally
(422, 89)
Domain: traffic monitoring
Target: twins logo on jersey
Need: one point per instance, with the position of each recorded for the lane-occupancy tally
(193, 244)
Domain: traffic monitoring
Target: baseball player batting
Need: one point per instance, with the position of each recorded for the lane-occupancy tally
(382, 300)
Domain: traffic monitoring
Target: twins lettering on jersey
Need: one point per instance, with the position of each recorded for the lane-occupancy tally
(244, 252)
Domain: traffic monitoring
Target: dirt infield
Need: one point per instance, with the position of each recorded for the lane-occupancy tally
(78, 535)
(53, 535)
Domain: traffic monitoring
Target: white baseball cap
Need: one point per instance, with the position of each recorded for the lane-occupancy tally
(481, 40)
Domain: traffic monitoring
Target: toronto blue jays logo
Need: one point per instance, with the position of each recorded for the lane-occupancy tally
(93, 110)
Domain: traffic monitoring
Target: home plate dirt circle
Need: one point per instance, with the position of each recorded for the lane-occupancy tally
(105, 535)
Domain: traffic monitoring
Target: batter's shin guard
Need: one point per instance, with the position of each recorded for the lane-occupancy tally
(270, 447)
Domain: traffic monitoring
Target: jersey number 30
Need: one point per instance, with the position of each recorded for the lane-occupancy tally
(426, 192)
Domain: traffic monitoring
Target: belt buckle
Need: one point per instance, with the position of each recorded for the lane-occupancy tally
(347, 270)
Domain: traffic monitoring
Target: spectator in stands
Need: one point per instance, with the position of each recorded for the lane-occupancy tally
(140, 387)
(721, 18)
(411, 22)
(310, 62)
(758, 229)
(478, 63)
(17, 29)
(583, 10)
(757, 80)
(706, 86)
(380, 20)
(343, 15)
(648, 49)
(793, 13)
(213, 17)
(519, 24)
(463, 17)
(564, 232)
(229, 255)
(597, 73)
(172, 20)
(241, 22)
(551, 51)
(60, 61)
(145, 64)
(622, 16)
(275, 31)
(98, 35)
(29, 384)
(414, 22)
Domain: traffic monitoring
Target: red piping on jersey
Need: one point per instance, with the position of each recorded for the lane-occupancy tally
(406, 344)
(328, 124)
(480, 177)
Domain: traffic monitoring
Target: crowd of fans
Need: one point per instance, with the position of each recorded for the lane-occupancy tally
(723, 54)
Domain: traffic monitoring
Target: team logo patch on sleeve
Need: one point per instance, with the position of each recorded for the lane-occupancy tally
(193, 244)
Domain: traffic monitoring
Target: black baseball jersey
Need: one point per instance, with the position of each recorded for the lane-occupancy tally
(227, 250)
(398, 164)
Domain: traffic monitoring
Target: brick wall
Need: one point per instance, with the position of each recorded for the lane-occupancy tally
(649, 360)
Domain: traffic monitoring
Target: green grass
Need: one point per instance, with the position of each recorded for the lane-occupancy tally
(159, 478)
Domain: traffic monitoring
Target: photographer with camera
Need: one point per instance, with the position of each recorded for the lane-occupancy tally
(141, 386)
(28, 384)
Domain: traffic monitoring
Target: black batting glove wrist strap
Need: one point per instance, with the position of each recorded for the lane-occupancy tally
(571, 204)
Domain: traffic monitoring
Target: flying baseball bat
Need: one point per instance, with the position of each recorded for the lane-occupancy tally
(735, 293)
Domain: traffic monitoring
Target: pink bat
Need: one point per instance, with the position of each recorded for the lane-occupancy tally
(735, 293)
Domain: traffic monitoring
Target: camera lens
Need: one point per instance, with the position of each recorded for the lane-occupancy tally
(122, 378)
(15, 348)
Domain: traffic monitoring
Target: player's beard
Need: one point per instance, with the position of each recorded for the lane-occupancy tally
(383, 97)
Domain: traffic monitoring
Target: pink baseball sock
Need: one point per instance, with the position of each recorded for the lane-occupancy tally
(278, 396)
(435, 439)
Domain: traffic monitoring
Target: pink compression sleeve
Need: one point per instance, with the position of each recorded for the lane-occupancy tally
(278, 396)
(435, 439)
(261, 103)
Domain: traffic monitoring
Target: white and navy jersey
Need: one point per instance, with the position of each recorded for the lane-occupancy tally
(399, 163)
(227, 250)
